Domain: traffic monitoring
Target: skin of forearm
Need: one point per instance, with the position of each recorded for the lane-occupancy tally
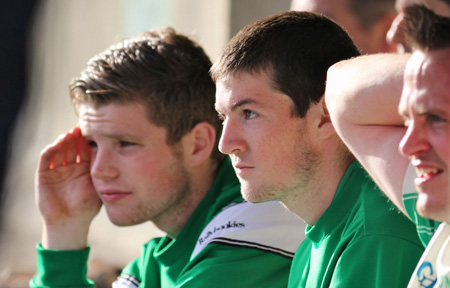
(366, 90)
(65, 237)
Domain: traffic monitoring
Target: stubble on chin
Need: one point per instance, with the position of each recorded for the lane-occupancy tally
(258, 194)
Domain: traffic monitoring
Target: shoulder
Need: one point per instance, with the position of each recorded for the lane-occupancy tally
(373, 213)
(266, 226)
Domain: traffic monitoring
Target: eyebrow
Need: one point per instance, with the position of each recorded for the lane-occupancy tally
(121, 136)
(115, 136)
(240, 103)
(422, 110)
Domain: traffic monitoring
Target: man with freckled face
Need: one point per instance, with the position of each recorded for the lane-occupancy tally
(145, 148)
(366, 21)
(270, 82)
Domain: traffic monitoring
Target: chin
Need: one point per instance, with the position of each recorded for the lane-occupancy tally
(248, 194)
(255, 195)
(251, 199)
(123, 220)
(119, 222)
(433, 208)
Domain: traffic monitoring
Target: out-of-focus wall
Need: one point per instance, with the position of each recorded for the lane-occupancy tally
(65, 35)
(244, 12)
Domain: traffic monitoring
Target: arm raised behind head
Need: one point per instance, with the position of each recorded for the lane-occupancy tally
(362, 96)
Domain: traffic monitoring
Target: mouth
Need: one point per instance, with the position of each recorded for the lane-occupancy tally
(425, 175)
(427, 172)
(240, 169)
(113, 196)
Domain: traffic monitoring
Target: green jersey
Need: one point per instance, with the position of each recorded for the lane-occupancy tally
(227, 242)
(361, 240)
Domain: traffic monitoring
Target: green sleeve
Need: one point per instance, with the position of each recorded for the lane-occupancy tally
(145, 269)
(61, 269)
(133, 268)
(224, 266)
(376, 261)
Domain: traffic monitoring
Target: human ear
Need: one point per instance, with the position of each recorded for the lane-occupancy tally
(199, 143)
(325, 127)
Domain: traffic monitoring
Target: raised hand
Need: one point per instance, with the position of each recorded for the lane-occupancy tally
(65, 195)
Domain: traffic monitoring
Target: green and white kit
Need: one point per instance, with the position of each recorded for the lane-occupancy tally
(227, 242)
(433, 269)
(362, 240)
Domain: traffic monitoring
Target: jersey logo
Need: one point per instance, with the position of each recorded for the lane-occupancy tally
(426, 275)
(266, 226)
(207, 234)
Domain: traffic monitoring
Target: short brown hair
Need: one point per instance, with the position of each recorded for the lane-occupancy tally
(296, 48)
(166, 71)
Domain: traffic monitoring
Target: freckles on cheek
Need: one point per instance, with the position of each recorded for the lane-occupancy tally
(446, 153)
(262, 146)
(143, 167)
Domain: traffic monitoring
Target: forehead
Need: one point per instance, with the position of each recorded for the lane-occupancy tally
(427, 79)
(113, 117)
(233, 91)
(233, 88)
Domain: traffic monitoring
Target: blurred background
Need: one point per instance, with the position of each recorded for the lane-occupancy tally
(43, 45)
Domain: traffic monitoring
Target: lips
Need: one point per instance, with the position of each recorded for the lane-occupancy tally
(110, 196)
(241, 169)
(426, 174)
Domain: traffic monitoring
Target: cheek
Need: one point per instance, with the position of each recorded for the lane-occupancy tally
(283, 152)
(138, 169)
(272, 144)
(145, 169)
(440, 141)
(443, 149)
(146, 179)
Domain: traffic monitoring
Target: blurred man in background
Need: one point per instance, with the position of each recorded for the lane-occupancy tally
(366, 21)
(396, 35)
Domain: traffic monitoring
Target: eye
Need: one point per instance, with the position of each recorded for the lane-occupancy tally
(249, 114)
(126, 144)
(92, 144)
(431, 118)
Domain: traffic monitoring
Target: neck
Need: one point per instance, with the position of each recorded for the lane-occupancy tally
(200, 181)
(311, 201)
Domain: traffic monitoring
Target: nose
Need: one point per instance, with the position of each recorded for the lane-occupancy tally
(395, 35)
(231, 140)
(414, 142)
(103, 165)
